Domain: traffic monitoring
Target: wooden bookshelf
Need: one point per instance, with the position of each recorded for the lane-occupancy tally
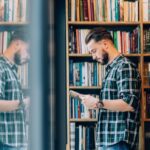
(89, 55)
(141, 58)
(80, 55)
(146, 55)
(147, 120)
(146, 23)
(94, 23)
(146, 87)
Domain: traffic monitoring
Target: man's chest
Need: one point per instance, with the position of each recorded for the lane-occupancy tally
(109, 88)
(110, 79)
(12, 85)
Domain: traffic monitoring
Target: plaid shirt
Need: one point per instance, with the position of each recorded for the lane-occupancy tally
(122, 81)
(12, 124)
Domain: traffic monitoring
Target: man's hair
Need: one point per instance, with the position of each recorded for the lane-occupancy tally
(98, 34)
(20, 34)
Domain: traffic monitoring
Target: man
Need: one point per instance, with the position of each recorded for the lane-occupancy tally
(12, 103)
(119, 104)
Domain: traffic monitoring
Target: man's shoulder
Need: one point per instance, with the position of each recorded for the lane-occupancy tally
(125, 62)
(3, 64)
(2, 60)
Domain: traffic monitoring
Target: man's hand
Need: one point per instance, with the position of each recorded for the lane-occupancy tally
(89, 101)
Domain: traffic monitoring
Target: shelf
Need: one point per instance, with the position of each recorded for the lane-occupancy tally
(85, 87)
(83, 120)
(146, 54)
(93, 23)
(13, 23)
(147, 119)
(146, 87)
(146, 22)
(132, 55)
(89, 55)
(80, 55)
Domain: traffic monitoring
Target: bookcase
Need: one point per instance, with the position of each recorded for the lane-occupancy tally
(14, 15)
(129, 23)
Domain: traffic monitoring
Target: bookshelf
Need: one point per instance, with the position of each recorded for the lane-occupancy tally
(140, 21)
(145, 121)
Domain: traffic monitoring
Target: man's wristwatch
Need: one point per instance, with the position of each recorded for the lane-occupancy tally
(100, 104)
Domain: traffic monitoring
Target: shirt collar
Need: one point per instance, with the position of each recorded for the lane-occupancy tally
(10, 64)
(114, 62)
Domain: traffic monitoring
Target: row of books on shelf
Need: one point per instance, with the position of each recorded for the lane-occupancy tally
(13, 10)
(82, 137)
(125, 41)
(146, 39)
(78, 110)
(103, 10)
(146, 8)
(85, 73)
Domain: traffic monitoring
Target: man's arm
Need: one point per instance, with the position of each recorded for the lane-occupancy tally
(113, 105)
(9, 105)
(117, 105)
(128, 84)
(12, 105)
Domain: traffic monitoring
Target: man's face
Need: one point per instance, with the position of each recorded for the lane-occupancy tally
(22, 55)
(98, 52)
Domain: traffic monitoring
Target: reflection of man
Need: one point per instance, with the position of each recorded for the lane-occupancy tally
(119, 104)
(12, 103)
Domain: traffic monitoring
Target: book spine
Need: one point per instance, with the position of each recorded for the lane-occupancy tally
(85, 10)
(148, 105)
(72, 136)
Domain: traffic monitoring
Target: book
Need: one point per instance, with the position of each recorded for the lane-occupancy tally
(90, 140)
(72, 136)
(148, 105)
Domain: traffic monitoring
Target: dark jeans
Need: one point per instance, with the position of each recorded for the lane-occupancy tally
(6, 147)
(119, 146)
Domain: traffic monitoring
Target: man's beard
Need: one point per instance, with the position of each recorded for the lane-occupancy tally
(105, 58)
(18, 60)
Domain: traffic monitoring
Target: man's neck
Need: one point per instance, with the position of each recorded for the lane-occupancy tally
(9, 55)
(113, 55)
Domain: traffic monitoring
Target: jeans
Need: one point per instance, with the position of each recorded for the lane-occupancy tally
(6, 147)
(119, 146)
